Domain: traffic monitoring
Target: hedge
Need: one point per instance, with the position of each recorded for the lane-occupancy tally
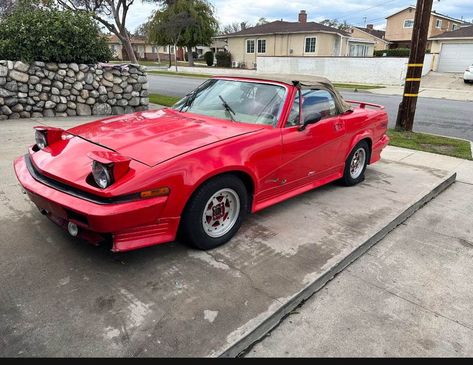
(50, 35)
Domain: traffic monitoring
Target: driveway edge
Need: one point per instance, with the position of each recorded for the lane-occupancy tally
(273, 320)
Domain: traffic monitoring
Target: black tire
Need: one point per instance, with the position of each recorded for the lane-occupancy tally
(192, 225)
(348, 179)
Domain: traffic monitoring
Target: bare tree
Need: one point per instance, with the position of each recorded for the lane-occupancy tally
(103, 11)
(235, 27)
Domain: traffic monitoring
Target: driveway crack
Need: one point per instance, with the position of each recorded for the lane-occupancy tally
(252, 283)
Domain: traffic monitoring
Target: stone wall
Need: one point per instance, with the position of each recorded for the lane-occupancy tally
(60, 89)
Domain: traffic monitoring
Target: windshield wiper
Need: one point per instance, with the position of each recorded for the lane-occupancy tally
(190, 99)
(228, 108)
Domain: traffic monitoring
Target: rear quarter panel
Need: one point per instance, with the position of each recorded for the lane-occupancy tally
(364, 123)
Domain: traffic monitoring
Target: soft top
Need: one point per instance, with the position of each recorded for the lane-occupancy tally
(304, 81)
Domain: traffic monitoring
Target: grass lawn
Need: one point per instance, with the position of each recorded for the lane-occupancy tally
(163, 99)
(431, 143)
(357, 86)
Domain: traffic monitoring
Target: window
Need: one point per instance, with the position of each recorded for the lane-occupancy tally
(250, 102)
(454, 26)
(171, 49)
(261, 45)
(153, 50)
(310, 43)
(113, 48)
(409, 23)
(250, 46)
(165, 49)
(438, 23)
(358, 50)
(313, 101)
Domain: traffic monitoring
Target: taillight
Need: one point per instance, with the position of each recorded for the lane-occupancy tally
(46, 136)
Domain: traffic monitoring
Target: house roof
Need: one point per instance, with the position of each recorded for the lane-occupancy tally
(112, 38)
(466, 32)
(281, 26)
(374, 32)
(432, 13)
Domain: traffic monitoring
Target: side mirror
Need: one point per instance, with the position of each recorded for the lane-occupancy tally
(310, 118)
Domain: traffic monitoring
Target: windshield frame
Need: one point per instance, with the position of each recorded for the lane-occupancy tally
(282, 111)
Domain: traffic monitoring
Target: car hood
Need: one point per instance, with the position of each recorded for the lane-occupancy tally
(156, 136)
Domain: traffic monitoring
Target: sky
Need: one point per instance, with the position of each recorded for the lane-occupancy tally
(354, 12)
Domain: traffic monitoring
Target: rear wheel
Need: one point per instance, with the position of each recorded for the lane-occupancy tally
(215, 212)
(355, 165)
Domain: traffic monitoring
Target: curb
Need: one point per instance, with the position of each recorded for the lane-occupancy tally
(243, 344)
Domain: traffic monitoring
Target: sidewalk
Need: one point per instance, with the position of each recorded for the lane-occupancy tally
(410, 295)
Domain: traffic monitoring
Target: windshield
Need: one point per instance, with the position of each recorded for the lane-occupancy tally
(238, 101)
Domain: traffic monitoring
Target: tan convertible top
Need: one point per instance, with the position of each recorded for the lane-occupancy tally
(305, 81)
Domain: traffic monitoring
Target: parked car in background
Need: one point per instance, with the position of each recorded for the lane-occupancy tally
(233, 146)
(468, 75)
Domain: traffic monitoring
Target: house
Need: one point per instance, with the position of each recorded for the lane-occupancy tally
(217, 45)
(301, 38)
(144, 50)
(453, 50)
(399, 27)
(369, 33)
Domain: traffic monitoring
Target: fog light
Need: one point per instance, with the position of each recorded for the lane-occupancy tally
(72, 229)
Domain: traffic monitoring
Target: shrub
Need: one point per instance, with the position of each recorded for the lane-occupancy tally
(224, 59)
(396, 52)
(195, 55)
(209, 58)
(50, 35)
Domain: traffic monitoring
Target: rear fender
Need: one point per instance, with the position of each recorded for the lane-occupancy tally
(367, 134)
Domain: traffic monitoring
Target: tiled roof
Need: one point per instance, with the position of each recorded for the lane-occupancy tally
(374, 32)
(280, 26)
(466, 32)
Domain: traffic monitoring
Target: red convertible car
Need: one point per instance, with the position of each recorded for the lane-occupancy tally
(233, 146)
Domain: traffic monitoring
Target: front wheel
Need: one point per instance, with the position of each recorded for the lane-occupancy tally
(215, 212)
(355, 165)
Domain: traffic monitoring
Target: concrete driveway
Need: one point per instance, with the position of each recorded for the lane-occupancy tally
(61, 297)
(446, 81)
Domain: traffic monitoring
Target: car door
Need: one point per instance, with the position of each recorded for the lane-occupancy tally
(314, 152)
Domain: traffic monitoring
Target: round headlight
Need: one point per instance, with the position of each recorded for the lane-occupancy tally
(101, 175)
(40, 139)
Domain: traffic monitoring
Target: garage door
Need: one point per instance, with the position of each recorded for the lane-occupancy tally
(455, 57)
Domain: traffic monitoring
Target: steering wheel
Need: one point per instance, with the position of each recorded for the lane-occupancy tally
(269, 116)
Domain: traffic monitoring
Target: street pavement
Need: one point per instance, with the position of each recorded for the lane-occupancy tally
(61, 297)
(438, 116)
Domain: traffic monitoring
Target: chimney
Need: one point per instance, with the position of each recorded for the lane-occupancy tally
(302, 17)
(369, 26)
(243, 26)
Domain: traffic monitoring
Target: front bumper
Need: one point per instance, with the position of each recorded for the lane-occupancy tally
(468, 76)
(132, 224)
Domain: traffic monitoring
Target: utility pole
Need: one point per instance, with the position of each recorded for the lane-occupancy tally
(407, 108)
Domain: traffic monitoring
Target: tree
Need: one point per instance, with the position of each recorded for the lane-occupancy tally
(51, 35)
(185, 23)
(103, 11)
(262, 21)
(235, 27)
(334, 23)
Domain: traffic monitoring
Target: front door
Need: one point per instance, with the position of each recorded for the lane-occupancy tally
(315, 152)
